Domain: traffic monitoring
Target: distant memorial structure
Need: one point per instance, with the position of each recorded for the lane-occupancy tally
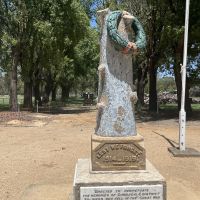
(118, 169)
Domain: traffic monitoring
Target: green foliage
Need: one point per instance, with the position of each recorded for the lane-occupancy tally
(54, 41)
(166, 84)
(3, 85)
(56, 46)
(87, 53)
(174, 107)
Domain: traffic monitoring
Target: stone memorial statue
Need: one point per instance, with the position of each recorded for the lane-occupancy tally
(115, 99)
(122, 36)
(118, 168)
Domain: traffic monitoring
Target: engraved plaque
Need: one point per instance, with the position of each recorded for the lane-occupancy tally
(118, 155)
(128, 192)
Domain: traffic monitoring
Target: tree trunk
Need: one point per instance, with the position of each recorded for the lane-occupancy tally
(47, 91)
(28, 95)
(152, 87)
(13, 80)
(65, 92)
(53, 95)
(37, 94)
(188, 106)
(178, 82)
(153, 56)
(141, 82)
(49, 86)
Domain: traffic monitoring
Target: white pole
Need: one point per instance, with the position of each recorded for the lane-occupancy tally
(182, 113)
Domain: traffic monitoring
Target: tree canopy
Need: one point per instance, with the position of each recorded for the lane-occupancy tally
(49, 44)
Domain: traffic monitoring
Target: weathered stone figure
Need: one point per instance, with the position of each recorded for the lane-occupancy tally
(116, 99)
(115, 146)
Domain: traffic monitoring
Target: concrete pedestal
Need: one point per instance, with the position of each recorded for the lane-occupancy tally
(117, 185)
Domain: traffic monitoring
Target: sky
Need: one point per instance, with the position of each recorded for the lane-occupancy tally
(93, 23)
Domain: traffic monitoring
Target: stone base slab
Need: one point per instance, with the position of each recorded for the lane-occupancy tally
(133, 185)
(117, 153)
(189, 152)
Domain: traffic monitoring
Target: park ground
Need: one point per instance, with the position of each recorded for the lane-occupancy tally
(38, 157)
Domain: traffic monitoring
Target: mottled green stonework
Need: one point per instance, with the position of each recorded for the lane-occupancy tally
(112, 25)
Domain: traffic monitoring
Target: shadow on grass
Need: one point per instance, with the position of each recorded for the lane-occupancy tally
(166, 112)
(75, 106)
(55, 110)
(70, 109)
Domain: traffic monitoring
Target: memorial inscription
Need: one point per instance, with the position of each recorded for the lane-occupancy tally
(118, 153)
(128, 192)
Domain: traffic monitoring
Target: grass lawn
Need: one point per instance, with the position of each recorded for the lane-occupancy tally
(4, 102)
(196, 107)
(174, 107)
(72, 101)
(77, 101)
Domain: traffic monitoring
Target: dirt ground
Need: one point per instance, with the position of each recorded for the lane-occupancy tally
(38, 161)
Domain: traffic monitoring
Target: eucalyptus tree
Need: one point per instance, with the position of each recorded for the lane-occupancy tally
(86, 60)
(18, 18)
(152, 14)
(38, 40)
(70, 26)
(60, 34)
(16, 22)
(174, 42)
(193, 46)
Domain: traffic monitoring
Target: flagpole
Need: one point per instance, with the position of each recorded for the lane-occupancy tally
(182, 113)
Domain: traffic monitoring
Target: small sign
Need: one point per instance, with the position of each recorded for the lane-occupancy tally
(128, 192)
